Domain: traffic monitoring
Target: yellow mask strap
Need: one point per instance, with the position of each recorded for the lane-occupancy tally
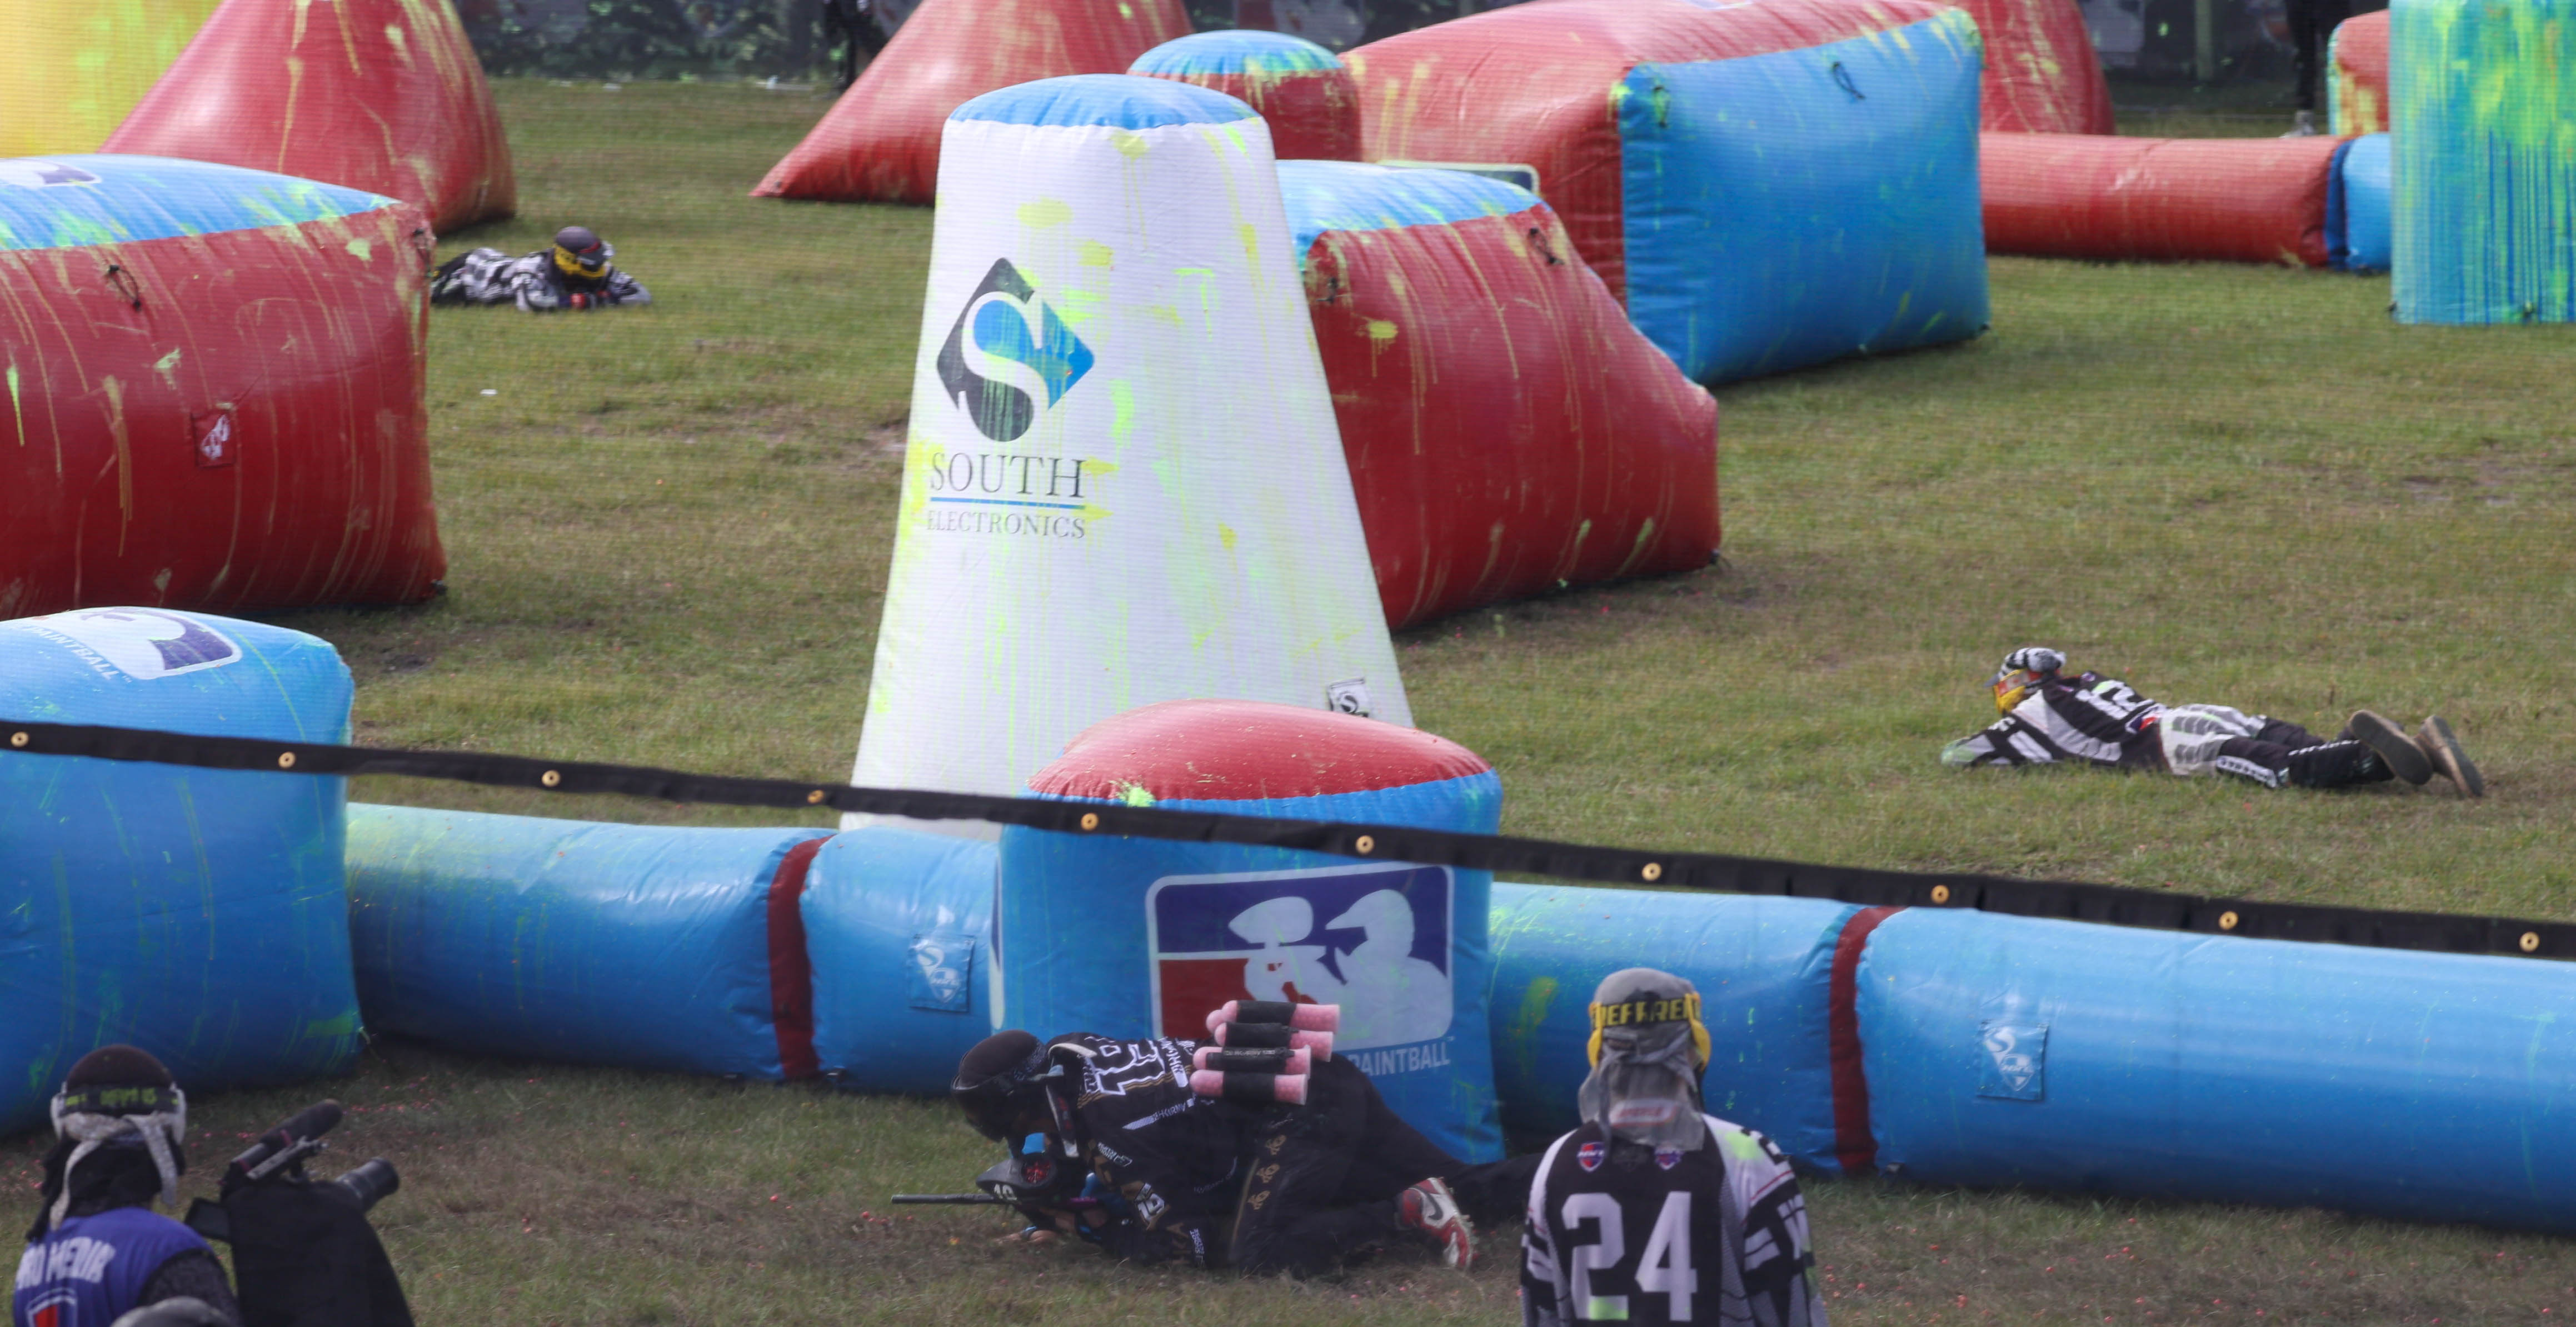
(569, 263)
(1684, 1009)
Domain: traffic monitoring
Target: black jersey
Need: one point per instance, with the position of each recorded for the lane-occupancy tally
(1622, 1232)
(1174, 1159)
(2087, 717)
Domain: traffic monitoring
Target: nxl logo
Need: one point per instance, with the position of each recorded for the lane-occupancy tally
(138, 642)
(993, 330)
(1372, 939)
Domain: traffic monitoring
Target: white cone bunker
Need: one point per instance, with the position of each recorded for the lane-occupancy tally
(1124, 483)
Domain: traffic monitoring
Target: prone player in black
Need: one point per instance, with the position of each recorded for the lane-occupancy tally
(1654, 1211)
(1216, 1182)
(97, 1251)
(2086, 718)
(578, 273)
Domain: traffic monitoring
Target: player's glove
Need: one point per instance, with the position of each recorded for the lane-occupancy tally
(2036, 658)
(579, 300)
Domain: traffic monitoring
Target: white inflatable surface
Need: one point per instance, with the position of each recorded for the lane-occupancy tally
(1123, 482)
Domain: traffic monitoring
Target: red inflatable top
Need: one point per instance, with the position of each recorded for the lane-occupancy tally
(2041, 74)
(1531, 85)
(1508, 431)
(880, 141)
(2361, 74)
(1244, 750)
(381, 95)
(1301, 90)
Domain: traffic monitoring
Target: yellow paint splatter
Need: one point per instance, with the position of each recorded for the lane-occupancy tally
(1122, 411)
(1225, 535)
(1096, 254)
(364, 250)
(1128, 141)
(1045, 212)
(1381, 331)
(168, 367)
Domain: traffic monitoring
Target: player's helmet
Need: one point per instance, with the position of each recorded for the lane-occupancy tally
(995, 1079)
(118, 1096)
(581, 255)
(1649, 1047)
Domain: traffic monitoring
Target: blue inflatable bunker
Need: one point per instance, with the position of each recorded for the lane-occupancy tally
(899, 926)
(2358, 222)
(1767, 186)
(1763, 967)
(653, 948)
(1143, 937)
(196, 913)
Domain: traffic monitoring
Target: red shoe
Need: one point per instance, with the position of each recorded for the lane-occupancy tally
(1430, 1208)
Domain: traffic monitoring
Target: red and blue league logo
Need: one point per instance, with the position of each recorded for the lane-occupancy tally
(1589, 1156)
(1372, 939)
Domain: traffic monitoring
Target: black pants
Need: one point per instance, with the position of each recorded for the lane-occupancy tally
(2278, 747)
(2312, 24)
(1325, 1178)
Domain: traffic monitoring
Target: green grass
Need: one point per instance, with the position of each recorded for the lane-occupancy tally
(668, 531)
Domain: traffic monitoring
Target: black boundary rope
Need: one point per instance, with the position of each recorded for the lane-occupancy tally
(2113, 905)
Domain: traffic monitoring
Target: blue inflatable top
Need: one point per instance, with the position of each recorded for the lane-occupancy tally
(200, 914)
(75, 202)
(1239, 52)
(1345, 195)
(1115, 101)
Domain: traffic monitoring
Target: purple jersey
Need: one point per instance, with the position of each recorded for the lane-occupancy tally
(92, 1269)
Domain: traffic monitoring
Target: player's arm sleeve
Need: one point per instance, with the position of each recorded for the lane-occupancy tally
(1161, 1237)
(1985, 748)
(1544, 1294)
(536, 294)
(1146, 1224)
(193, 1274)
(623, 288)
(1779, 1264)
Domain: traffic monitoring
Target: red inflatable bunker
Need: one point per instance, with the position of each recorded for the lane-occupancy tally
(215, 390)
(380, 95)
(2357, 94)
(880, 141)
(1508, 432)
(1300, 89)
(2041, 74)
(2244, 200)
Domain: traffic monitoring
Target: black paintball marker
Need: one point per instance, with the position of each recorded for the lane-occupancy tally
(1029, 1180)
(280, 1154)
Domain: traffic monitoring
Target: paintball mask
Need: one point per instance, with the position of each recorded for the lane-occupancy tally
(1648, 1050)
(581, 255)
(2011, 685)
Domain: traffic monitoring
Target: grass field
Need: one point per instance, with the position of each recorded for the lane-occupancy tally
(668, 532)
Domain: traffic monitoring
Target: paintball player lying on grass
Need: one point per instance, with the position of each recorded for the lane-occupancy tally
(2048, 716)
(1297, 1170)
(575, 274)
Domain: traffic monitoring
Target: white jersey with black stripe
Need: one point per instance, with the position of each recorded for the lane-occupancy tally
(2087, 719)
(1621, 1232)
